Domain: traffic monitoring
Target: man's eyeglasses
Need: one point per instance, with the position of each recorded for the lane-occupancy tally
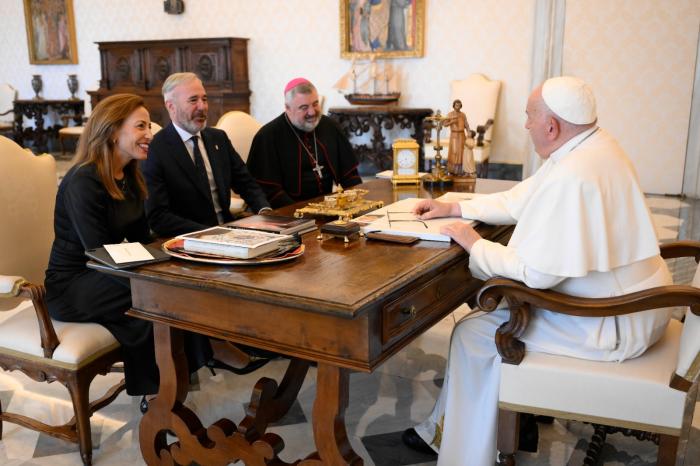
(395, 220)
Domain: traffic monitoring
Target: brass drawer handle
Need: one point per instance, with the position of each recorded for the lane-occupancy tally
(411, 311)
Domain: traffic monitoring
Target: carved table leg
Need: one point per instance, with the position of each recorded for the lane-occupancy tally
(270, 403)
(333, 447)
(223, 442)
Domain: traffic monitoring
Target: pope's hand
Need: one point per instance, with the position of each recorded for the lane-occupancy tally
(462, 233)
(428, 208)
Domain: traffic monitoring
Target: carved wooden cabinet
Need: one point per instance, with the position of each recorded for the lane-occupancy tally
(140, 67)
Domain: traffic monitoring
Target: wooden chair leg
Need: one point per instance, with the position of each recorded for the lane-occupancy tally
(79, 389)
(668, 447)
(507, 441)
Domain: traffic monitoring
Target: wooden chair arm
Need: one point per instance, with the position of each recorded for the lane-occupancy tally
(520, 298)
(686, 248)
(49, 339)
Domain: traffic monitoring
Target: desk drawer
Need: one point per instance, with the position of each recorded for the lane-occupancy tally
(414, 307)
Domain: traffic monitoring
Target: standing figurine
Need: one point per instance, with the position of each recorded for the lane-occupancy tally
(460, 162)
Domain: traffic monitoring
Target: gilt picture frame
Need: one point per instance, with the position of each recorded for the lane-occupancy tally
(382, 28)
(50, 32)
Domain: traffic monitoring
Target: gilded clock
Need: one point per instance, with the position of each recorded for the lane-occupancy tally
(406, 161)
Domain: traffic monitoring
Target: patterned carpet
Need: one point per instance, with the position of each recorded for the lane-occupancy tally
(398, 395)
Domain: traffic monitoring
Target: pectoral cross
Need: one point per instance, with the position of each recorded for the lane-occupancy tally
(318, 169)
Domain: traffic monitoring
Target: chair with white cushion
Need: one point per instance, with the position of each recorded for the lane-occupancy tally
(654, 393)
(240, 129)
(479, 96)
(8, 95)
(30, 341)
(155, 127)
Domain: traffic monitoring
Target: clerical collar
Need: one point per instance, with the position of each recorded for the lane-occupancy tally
(184, 134)
(572, 144)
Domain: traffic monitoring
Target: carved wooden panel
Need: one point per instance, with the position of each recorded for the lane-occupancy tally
(140, 67)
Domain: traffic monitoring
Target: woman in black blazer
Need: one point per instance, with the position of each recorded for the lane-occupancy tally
(101, 201)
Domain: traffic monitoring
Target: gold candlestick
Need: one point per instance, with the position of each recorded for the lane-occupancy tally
(438, 174)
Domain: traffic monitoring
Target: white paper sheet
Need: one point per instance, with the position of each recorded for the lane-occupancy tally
(397, 219)
(128, 252)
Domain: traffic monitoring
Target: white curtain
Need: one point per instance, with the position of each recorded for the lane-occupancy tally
(547, 50)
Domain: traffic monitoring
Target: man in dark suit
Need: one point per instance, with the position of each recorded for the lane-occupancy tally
(190, 172)
(191, 168)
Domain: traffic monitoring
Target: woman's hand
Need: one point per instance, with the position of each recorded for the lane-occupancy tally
(428, 208)
(462, 233)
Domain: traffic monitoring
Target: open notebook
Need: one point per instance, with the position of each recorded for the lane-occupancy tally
(397, 219)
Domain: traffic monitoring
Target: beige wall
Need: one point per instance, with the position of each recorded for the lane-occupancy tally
(300, 37)
(289, 38)
(639, 56)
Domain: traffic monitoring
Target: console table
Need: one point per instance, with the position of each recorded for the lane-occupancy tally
(36, 109)
(355, 121)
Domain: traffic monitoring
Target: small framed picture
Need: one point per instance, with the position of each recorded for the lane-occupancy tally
(381, 28)
(50, 32)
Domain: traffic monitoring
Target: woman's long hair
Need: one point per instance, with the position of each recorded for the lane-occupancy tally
(97, 143)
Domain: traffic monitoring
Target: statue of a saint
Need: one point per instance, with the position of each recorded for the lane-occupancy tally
(460, 158)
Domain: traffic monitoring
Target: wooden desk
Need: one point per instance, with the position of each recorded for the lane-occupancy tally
(348, 307)
(355, 121)
(36, 109)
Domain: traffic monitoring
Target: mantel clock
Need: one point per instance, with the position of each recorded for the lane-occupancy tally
(406, 160)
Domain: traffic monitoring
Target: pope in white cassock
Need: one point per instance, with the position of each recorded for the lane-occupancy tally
(582, 228)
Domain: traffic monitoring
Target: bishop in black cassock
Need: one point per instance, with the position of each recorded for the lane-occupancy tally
(283, 159)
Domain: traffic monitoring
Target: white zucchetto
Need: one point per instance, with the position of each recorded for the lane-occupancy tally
(570, 99)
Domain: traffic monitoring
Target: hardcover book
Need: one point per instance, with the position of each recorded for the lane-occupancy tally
(274, 224)
(236, 243)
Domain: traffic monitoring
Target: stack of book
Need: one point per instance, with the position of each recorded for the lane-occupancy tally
(275, 224)
(235, 243)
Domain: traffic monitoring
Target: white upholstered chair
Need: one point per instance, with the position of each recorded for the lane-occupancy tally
(69, 132)
(240, 129)
(479, 96)
(30, 341)
(155, 127)
(8, 94)
(654, 393)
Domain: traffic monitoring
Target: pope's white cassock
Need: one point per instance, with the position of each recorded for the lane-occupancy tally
(583, 229)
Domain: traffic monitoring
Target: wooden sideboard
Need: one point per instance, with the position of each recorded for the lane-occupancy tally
(140, 67)
(355, 121)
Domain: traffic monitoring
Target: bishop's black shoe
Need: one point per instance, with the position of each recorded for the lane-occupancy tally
(412, 440)
(253, 365)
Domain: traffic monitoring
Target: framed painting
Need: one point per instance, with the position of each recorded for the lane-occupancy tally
(50, 32)
(381, 28)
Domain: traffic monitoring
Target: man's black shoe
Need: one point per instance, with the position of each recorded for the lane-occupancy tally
(252, 366)
(412, 440)
(143, 405)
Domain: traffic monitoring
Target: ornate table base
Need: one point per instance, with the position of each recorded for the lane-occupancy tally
(225, 442)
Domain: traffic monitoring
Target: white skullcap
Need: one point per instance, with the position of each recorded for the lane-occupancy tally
(570, 99)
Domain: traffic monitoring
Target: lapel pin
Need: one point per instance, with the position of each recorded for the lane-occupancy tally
(216, 146)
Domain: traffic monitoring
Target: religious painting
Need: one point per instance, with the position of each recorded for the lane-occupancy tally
(50, 32)
(381, 28)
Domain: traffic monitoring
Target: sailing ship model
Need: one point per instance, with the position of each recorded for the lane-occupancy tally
(364, 83)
